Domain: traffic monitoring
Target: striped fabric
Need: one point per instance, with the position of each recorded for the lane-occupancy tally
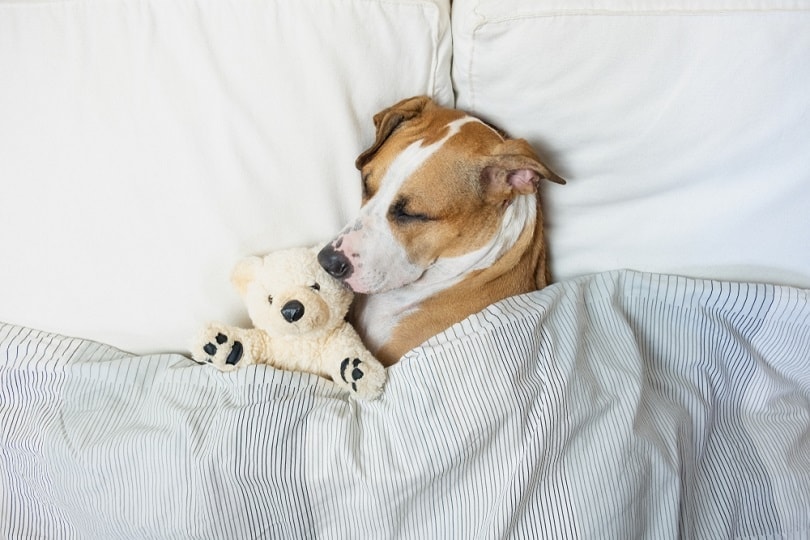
(621, 405)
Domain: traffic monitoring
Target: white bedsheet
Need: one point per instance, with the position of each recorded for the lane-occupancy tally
(620, 405)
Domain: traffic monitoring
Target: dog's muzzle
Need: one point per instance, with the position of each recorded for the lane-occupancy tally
(335, 262)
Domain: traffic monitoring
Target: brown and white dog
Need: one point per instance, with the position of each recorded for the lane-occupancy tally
(450, 223)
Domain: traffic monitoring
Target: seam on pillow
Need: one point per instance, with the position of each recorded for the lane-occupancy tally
(488, 21)
(633, 13)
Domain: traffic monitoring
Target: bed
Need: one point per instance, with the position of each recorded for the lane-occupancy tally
(659, 388)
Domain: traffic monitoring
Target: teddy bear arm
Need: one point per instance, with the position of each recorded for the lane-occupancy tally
(350, 364)
(258, 343)
(230, 347)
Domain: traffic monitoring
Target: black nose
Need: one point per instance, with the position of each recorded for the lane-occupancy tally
(335, 262)
(292, 311)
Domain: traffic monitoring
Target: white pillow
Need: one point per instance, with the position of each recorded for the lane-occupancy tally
(146, 146)
(683, 127)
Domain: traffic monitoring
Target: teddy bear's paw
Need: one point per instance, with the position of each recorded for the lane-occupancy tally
(365, 378)
(217, 346)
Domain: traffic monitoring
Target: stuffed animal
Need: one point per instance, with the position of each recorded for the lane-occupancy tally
(298, 313)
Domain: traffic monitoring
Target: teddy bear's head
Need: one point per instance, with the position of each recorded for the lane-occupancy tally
(288, 293)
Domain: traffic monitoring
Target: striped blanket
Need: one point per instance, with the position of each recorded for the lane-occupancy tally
(620, 405)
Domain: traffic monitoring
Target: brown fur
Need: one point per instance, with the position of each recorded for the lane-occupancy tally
(522, 270)
(463, 189)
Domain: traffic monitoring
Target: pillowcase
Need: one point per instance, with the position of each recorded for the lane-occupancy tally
(146, 146)
(682, 127)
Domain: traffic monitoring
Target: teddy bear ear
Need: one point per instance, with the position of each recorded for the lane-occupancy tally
(243, 273)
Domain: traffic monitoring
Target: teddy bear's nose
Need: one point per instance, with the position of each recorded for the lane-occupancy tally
(292, 311)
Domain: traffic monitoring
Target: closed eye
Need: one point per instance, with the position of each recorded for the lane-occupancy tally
(400, 213)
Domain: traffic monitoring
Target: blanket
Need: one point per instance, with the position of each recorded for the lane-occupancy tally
(618, 405)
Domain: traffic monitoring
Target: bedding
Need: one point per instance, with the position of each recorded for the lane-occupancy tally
(151, 144)
(146, 145)
(681, 125)
(621, 404)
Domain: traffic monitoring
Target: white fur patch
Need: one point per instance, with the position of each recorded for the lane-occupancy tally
(394, 305)
(380, 263)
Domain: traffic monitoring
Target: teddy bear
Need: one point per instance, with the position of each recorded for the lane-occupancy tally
(298, 313)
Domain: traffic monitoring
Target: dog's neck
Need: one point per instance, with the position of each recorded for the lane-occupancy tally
(453, 288)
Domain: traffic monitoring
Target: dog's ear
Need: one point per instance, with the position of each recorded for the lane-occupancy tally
(243, 273)
(387, 120)
(515, 168)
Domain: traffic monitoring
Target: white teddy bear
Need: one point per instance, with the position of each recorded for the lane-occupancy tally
(298, 312)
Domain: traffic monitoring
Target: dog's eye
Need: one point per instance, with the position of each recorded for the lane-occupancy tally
(270, 299)
(399, 212)
(315, 287)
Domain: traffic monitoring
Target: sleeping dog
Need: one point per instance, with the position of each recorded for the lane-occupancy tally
(450, 223)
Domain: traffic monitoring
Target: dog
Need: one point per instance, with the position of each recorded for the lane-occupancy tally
(450, 223)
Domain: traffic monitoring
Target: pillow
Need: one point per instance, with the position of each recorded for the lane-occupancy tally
(146, 146)
(681, 126)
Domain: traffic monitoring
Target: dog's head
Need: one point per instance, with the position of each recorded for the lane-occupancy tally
(440, 189)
